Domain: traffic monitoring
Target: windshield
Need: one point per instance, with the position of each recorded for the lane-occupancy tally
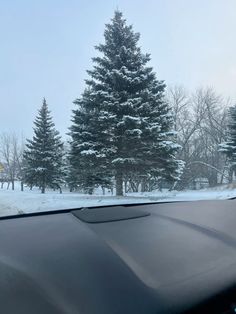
(116, 102)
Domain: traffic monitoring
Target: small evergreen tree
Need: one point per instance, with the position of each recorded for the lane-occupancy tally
(43, 154)
(122, 123)
(229, 147)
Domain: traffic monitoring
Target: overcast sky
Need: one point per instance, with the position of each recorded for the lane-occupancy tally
(47, 45)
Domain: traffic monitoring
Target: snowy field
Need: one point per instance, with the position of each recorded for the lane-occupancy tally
(17, 202)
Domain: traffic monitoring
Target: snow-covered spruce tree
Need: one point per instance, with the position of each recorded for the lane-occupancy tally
(122, 123)
(229, 147)
(43, 163)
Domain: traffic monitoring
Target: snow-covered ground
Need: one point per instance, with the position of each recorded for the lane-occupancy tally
(16, 202)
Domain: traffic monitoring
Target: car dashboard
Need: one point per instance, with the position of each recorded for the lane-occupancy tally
(177, 257)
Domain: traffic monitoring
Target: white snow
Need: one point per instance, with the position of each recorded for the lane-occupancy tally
(16, 202)
(88, 152)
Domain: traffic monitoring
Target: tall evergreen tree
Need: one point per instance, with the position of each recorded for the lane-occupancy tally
(43, 154)
(122, 123)
(229, 147)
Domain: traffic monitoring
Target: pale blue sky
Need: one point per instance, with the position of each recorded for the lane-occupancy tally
(47, 45)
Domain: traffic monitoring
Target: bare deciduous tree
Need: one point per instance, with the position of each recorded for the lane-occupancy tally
(200, 122)
(11, 153)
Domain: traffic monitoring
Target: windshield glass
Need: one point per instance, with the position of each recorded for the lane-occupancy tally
(116, 102)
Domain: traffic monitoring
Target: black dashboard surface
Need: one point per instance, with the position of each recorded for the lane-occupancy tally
(146, 259)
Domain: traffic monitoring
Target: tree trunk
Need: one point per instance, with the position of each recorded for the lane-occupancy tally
(212, 180)
(13, 185)
(43, 189)
(90, 191)
(22, 186)
(126, 186)
(119, 184)
(134, 186)
(230, 175)
(173, 186)
(143, 185)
